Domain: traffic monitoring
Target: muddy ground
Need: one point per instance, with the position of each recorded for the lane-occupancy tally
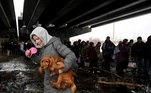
(20, 75)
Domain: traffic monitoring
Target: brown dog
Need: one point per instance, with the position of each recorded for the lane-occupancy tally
(53, 64)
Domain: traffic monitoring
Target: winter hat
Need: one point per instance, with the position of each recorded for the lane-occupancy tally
(42, 33)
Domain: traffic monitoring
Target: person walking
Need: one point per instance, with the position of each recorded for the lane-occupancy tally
(48, 45)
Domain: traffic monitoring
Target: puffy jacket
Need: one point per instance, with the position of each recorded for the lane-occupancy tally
(54, 47)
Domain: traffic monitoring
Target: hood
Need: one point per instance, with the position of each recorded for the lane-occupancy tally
(42, 33)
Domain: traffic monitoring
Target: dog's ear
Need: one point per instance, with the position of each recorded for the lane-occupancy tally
(44, 62)
(40, 62)
(51, 60)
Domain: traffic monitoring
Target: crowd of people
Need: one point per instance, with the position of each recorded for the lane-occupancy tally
(101, 54)
(9, 48)
(125, 52)
(137, 52)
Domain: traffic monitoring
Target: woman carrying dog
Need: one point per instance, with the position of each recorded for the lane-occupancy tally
(48, 45)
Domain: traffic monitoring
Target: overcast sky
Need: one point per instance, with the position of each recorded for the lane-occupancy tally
(18, 6)
(129, 28)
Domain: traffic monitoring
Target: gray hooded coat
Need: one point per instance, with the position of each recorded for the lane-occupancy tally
(53, 47)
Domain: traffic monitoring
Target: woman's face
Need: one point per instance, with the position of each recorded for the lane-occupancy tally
(37, 41)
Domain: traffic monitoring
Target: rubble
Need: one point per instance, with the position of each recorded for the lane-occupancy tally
(21, 76)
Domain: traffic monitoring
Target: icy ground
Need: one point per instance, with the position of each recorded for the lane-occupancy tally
(20, 75)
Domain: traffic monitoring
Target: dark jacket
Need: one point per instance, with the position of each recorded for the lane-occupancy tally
(137, 50)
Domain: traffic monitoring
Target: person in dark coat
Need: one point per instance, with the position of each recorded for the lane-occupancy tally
(91, 54)
(137, 53)
(107, 52)
(147, 55)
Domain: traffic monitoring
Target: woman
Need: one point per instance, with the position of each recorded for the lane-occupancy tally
(49, 45)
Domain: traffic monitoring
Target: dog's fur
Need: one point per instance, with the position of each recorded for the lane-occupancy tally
(53, 64)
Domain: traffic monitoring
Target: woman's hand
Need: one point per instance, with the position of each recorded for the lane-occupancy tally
(56, 72)
(28, 53)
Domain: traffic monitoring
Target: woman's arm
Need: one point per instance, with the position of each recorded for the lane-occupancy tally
(31, 53)
(69, 56)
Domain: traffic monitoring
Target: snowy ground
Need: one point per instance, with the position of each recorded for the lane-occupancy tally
(19, 75)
